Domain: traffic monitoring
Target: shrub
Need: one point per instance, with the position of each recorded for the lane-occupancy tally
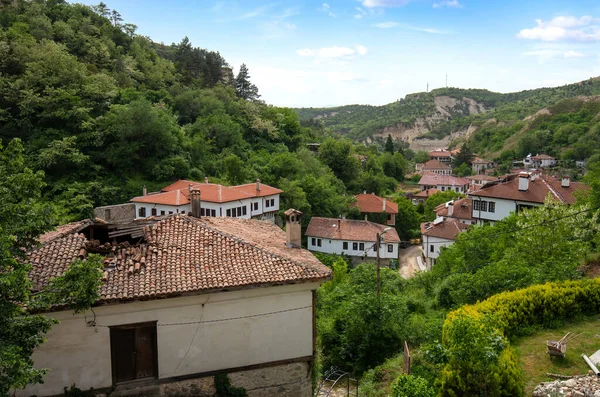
(412, 386)
(224, 388)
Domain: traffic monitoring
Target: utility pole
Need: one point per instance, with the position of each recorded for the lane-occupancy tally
(446, 80)
(428, 86)
(377, 248)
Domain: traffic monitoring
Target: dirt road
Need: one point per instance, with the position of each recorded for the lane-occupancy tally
(408, 260)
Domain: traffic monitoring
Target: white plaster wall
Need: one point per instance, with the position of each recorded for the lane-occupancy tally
(159, 208)
(503, 209)
(78, 354)
(337, 247)
(437, 243)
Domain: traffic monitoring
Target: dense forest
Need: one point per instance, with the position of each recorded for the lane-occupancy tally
(102, 111)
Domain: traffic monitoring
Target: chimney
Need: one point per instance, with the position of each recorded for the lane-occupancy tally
(384, 204)
(205, 179)
(144, 191)
(339, 225)
(566, 181)
(292, 228)
(451, 208)
(196, 203)
(258, 185)
(523, 181)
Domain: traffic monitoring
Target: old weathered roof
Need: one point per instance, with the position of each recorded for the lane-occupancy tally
(462, 209)
(181, 254)
(440, 153)
(543, 157)
(426, 193)
(539, 188)
(478, 160)
(371, 203)
(481, 177)
(448, 229)
(349, 229)
(178, 193)
(435, 165)
(435, 179)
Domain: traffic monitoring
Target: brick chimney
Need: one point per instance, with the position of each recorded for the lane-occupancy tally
(205, 179)
(451, 208)
(566, 181)
(195, 200)
(293, 232)
(384, 204)
(523, 181)
(144, 190)
(258, 185)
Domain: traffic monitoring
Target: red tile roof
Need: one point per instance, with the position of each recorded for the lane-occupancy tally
(481, 178)
(178, 193)
(477, 160)
(446, 180)
(435, 165)
(370, 203)
(182, 254)
(440, 153)
(462, 209)
(538, 190)
(426, 193)
(448, 229)
(543, 157)
(349, 229)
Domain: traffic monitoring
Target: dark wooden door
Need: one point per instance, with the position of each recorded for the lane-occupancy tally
(133, 351)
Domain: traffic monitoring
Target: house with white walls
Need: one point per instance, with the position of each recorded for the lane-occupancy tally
(539, 161)
(253, 200)
(373, 204)
(191, 298)
(444, 183)
(438, 234)
(443, 156)
(517, 192)
(354, 238)
(478, 181)
(460, 209)
(479, 165)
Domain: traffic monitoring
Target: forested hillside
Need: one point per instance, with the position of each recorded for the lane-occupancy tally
(102, 111)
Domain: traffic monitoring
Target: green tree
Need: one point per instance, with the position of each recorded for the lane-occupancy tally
(411, 386)
(464, 156)
(337, 155)
(389, 145)
(436, 199)
(421, 157)
(408, 220)
(243, 87)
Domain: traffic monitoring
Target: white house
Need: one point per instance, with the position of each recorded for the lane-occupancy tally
(480, 165)
(442, 156)
(517, 192)
(253, 200)
(437, 234)
(436, 167)
(539, 161)
(356, 238)
(191, 298)
(444, 183)
(460, 210)
(423, 195)
(478, 181)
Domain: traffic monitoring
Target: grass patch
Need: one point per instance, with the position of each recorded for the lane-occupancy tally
(535, 362)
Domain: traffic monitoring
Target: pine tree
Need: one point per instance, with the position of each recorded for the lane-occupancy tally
(389, 144)
(465, 156)
(243, 87)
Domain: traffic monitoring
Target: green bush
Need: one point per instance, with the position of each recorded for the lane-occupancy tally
(224, 388)
(479, 359)
(412, 386)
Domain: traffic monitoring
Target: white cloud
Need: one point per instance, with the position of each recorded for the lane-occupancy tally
(337, 77)
(384, 3)
(360, 13)
(573, 54)
(332, 52)
(447, 3)
(358, 16)
(326, 8)
(559, 28)
(386, 25)
(547, 54)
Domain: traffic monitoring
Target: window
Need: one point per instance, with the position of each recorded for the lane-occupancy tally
(345, 245)
(431, 248)
(390, 248)
(255, 206)
(476, 205)
(213, 212)
(202, 211)
(361, 246)
(170, 212)
(162, 212)
(244, 210)
(229, 212)
(355, 246)
(267, 203)
(142, 212)
(492, 207)
(272, 202)
(153, 211)
(314, 241)
(443, 188)
(484, 206)
(318, 242)
(389, 217)
(375, 247)
(133, 352)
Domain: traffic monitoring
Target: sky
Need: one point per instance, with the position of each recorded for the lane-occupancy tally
(340, 52)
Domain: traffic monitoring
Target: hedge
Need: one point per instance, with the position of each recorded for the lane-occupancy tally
(480, 361)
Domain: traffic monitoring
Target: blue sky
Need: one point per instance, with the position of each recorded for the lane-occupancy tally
(316, 53)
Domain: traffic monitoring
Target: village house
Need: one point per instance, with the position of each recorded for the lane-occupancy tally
(188, 299)
(539, 161)
(480, 165)
(442, 156)
(252, 200)
(460, 210)
(423, 195)
(517, 192)
(436, 167)
(437, 234)
(354, 238)
(372, 204)
(478, 181)
(444, 183)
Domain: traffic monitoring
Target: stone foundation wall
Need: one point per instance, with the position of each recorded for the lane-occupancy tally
(287, 380)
